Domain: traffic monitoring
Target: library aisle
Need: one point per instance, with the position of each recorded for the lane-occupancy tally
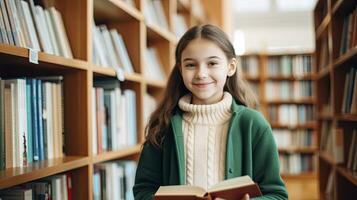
(80, 78)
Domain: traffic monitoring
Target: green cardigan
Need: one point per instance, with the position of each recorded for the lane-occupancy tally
(251, 150)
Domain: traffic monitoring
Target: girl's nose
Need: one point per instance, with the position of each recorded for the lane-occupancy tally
(201, 72)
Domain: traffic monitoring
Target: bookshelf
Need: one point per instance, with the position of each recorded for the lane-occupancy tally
(274, 78)
(82, 71)
(336, 59)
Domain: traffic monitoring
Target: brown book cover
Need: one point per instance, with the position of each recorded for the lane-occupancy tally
(231, 189)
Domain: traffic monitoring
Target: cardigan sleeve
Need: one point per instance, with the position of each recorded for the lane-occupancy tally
(148, 176)
(266, 167)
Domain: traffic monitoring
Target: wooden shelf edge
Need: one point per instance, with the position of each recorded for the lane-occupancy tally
(302, 101)
(155, 83)
(44, 57)
(299, 126)
(345, 57)
(106, 71)
(321, 28)
(348, 174)
(134, 77)
(106, 156)
(303, 175)
(129, 11)
(307, 150)
(20, 175)
(347, 117)
(328, 158)
(322, 73)
(161, 32)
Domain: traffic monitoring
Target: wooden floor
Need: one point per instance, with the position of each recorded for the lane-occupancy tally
(302, 189)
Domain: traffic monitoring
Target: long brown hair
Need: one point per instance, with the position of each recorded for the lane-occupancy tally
(160, 119)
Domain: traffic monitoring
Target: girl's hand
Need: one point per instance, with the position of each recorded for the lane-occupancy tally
(246, 197)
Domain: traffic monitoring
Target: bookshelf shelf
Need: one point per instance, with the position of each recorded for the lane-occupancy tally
(347, 117)
(302, 101)
(335, 127)
(324, 72)
(298, 150)
(293, 78)
(299, 176)
(20, 56)
(82, 75)
(297, 127)
(156, 33)
(15, 176)
(252, 78)
(342, 6)
(155, 83)
(323, 26)
(348, 174)
(114, 155)
(115, 10)
(349, 57)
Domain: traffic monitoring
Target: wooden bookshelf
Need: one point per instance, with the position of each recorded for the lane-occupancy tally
(333, 66)
(261, 75)
(80, 72)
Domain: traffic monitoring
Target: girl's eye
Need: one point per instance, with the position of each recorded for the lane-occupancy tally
(190, 65)
(212, 63)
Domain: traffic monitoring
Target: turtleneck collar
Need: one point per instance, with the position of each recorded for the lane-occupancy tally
(216, 113)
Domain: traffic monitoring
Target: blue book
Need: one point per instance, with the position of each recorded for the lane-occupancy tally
(29, 121)
(39, 121)
(34, 111)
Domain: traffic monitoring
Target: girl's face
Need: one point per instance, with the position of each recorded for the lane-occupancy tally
(204, 69)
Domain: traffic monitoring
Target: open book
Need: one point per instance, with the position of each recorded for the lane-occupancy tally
(231, 189)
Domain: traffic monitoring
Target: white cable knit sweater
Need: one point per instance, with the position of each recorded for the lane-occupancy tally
(205, 130)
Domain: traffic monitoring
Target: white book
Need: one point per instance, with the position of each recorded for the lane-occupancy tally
(7, 23)
(160, 14)
(123, 53)
(51, 32)
(50, 144)
(116, 46)
(113, 112)
(97, 45)
(110, 49)
(60, 33)
(30, 25)
(14, 23)
(149, 12)
(104, 47)
(24, 29)
(23, 113)
(59, 111)
(180, 25)
(64, 190)
(123, 121)
(3, 35)
(45, 29)
(54, 122)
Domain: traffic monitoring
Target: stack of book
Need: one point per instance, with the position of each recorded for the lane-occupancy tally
(55, 187)
(31, 113)
(153, 68)
(25, 24)
(114, 180)
(109, 49)
(114, 118)
(154, 13)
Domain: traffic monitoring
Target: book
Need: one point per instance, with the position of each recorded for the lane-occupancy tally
(230, 189)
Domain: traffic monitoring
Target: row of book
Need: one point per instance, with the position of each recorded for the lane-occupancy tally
(109, 49)
(288, 66)
(114, 118)
(114, 180)
(31, 120)
(349, 32)
(255, 87)
(24, 24)
(54, 187)
(250, 65)
(287, 90)
(153, 67)
(297, 163)
(154, 13)
(180, 25)
(349, 102)
(291, 115)
(294, 139)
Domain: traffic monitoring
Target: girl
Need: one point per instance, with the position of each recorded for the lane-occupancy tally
(203, 131)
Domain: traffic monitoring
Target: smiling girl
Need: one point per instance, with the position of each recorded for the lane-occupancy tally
(203, 131)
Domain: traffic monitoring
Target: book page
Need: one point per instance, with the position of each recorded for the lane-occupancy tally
(231, 183)
(180, 190)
